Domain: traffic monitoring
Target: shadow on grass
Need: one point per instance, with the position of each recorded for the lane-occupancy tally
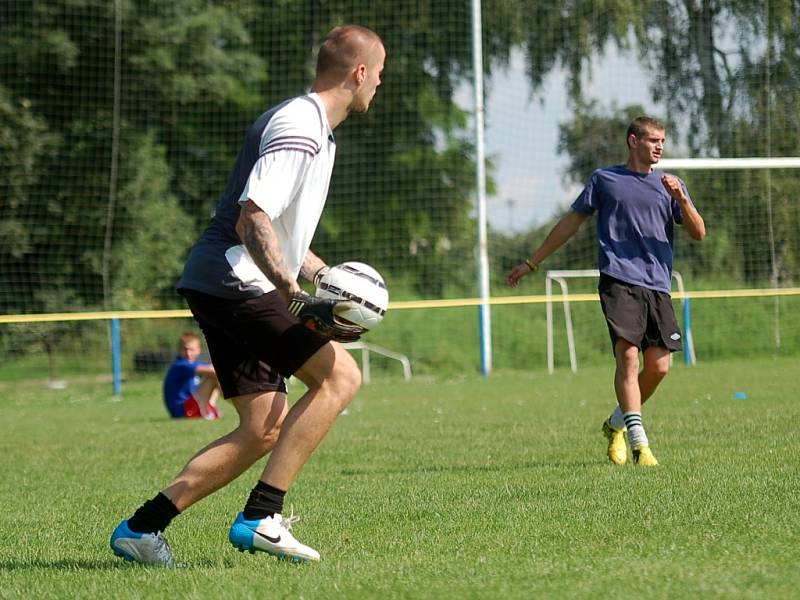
(432, 468)
(61, 565)
(96, 565)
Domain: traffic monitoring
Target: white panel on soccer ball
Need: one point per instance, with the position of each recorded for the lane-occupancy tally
(361, 284)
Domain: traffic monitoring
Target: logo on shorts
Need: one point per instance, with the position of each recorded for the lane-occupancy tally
(675, 336)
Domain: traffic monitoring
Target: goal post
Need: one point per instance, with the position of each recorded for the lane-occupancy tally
(561, 276)
(778, 162)
(706, 168)
(776, 247)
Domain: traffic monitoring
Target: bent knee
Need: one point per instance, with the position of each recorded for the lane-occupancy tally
(658, 370)
(628, 362)
(345, 379)
(263, 438)
(269, 438)
(334, 369)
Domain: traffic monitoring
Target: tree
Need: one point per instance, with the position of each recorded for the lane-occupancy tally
(181, 63)
(192, 76)
(728, 74)
(156, 232)
(401, 195)
(24, 144)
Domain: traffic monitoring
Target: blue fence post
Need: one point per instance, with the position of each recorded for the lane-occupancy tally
(116, 358)
(688, 350)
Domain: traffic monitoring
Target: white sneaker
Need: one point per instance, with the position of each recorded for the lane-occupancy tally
(272, 535)
(146, 548)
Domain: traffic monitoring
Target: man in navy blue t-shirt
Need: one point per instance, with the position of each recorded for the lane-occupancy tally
(636, 209)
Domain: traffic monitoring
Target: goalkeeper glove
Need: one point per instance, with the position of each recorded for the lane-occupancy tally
(320, 315)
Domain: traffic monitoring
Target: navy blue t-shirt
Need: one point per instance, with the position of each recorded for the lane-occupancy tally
(635, 217)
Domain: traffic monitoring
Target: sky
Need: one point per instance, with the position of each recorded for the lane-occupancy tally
(521, 134)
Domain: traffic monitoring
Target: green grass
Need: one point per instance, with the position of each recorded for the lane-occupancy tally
(463, 488)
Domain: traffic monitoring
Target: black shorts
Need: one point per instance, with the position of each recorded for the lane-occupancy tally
(254, 343)
(642, 316)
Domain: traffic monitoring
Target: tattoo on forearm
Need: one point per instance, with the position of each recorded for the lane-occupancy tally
(262, 244)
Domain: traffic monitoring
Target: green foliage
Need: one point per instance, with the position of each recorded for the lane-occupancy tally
(592, 139)
(151, 248)
(728, 75)
(193, 74)
(196, 81)
(178, 59)
(24, 142)
(572, 34)
(404, 179)
(189, 53)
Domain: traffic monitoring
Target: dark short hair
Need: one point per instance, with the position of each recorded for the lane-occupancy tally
(640, 125)
(342, 49)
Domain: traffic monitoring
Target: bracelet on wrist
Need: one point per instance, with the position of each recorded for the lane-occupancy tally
(321, 272)
(532, 266)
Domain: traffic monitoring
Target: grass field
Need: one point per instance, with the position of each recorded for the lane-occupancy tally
(464, 488)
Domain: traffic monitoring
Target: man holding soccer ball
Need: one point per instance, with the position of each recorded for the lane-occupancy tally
(636, 208)
(240, 282)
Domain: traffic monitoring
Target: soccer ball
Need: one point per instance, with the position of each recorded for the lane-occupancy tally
(361, 284)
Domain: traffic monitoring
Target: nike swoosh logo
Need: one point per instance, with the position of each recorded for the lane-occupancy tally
(271, 540)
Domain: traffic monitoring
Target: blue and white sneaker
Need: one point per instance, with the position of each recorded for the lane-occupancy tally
(146, 548)
(272, 535)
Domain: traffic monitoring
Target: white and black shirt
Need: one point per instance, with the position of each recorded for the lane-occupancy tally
(285, 167)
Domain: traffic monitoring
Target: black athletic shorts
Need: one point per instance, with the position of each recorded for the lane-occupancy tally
(642, 316)
(254, 343)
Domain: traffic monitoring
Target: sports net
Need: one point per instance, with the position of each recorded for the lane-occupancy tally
(120, 122)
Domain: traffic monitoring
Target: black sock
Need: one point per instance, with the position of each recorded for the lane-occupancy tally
(264, 501)
(154, 515)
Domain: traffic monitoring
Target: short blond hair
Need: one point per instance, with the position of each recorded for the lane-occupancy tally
(186, 337)
(344, 48)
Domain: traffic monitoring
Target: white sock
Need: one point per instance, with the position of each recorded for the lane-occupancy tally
(636, 434)
(616, 420)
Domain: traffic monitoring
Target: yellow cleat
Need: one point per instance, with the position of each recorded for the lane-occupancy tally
(617, 450)
(643, 457)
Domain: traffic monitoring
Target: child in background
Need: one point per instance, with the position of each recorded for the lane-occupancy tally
(191, 388)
